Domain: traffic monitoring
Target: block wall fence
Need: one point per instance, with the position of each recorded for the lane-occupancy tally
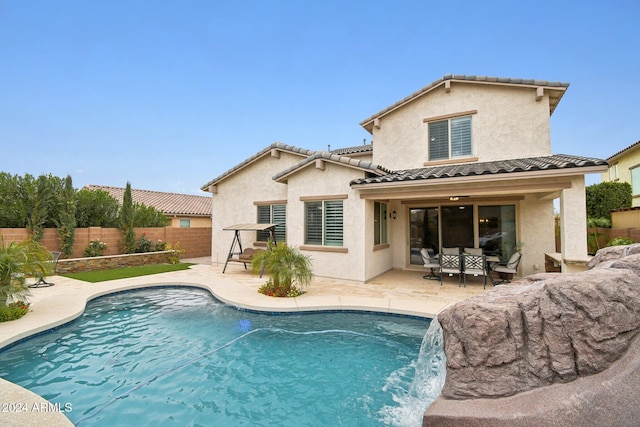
(606, 234)
(195, 241)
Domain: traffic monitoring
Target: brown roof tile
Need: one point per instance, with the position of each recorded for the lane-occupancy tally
(531, 164)
(169, 203)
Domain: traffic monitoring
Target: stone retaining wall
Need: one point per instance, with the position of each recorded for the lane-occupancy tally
(74, 265)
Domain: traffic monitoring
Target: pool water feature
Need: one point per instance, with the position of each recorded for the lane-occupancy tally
(176, 356)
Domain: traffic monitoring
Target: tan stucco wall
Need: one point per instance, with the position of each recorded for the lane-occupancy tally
(624, 163)
(333, 180)
(234, 202)
(196, 222)
(509, 123)
(573, 220)
(536, 233)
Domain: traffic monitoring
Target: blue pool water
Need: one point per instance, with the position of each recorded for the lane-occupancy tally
(177, 356)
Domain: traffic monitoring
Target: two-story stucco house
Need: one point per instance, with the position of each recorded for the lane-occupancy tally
(465, 161)
(625, 167)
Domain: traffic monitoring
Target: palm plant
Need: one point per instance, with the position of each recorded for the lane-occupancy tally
(289, 270)
(17, 260)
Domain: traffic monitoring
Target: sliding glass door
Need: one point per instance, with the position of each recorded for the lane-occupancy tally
(453, 227)
(423, 231)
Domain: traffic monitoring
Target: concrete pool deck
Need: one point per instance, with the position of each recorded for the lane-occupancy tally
(398, 292)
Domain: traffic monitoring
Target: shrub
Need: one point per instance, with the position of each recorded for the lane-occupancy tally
(17, 260)
(95, 248)
(161, 246)
(604, 197)
(13, 311)
(620, 241)
(144, 244)
(174, 258)
(289, 270)
(273, 289)
(598, 222)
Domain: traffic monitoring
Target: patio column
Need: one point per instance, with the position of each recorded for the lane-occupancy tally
(573, 226)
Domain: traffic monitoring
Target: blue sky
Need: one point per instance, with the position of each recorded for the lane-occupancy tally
(169, 94)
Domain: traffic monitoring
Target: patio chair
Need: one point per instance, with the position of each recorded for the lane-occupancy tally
(508, 269)
(472, 251)
(431, 262)
(450, 263)
(41, 282)
(476, 265)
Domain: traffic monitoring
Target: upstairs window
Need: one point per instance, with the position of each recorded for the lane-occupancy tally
(450, 138)
(273, 214)
(635, 181)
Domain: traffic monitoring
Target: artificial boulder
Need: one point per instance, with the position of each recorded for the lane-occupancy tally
(542, 333)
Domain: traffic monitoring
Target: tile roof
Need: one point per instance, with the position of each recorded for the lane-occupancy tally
(557, 87)
(275, 145)
(358, 149)
(335, 158)
(625, 150)
(531, 164)
(169, 203)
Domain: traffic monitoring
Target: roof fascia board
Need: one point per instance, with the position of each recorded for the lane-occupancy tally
(312, 161)
(266, 152)
(368, 123)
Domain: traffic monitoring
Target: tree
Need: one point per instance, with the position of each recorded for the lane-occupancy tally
(38, 196)
(13, 212)
(607, 196)
(128, 244)
(148, 216)
(66, 221)
(96, 208)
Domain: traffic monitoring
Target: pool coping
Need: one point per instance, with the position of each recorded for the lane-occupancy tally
(55, 306)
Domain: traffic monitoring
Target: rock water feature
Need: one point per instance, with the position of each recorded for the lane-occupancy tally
(548, 350)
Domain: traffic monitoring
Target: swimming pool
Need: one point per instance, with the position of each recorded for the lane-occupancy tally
(177, 356)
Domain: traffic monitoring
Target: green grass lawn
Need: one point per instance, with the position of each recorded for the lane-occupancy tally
(123, 273)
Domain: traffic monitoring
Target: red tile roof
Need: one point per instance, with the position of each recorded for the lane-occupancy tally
(169, 203)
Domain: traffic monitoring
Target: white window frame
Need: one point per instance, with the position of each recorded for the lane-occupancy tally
(277, 213)
(380, 226)
(634, 173)
(328, 229)
(465, 148)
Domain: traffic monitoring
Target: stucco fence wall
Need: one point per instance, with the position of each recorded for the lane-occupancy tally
(195, 241)
(606, 234)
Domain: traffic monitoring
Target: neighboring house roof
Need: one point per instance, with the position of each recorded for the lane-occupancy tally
(333, 158)
(358, 149)
(621, 152)
(532, 164)
(169, 203)
(554, 89)
(275, 146)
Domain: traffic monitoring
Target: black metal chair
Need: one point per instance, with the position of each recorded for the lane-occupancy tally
(41, 282)
(451, 263)
(476, 265)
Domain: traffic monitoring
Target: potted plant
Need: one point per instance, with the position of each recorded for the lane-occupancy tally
(289, 270)
(17, 261)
